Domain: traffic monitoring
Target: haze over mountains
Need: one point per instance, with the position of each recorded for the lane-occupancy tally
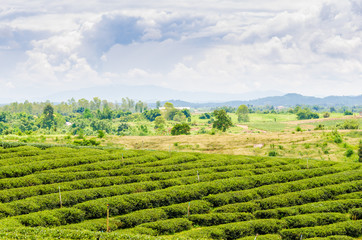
(151, 94)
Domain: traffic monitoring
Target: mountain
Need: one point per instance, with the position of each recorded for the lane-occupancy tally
(290, 99)
(152, 94)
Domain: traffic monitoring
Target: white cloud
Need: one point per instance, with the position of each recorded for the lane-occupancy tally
(219, 45)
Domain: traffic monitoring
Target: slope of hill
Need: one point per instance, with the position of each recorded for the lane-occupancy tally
(64, 193)
(290, 99)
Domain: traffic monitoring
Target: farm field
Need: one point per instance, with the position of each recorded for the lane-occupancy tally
(281, 134)
(62, 193)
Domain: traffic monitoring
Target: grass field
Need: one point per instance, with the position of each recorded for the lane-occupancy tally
(62, 193)
(265, 134)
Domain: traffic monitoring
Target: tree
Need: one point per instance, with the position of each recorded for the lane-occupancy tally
(48, 118)
(181, 128)
(170, 111)
(360, 152)
(346, 113)
(160, 122)
(306, 113)
(152, 114)
(140, 106)
(87, 113)
(179, 117)
(223, 121)
(186, 112)
(122, 128)
(242, 113)
(205, 116)
(326, 115)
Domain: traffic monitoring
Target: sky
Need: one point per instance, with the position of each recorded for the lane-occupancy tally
(311, 47)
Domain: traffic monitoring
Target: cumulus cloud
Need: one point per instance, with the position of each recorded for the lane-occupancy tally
(216, 46)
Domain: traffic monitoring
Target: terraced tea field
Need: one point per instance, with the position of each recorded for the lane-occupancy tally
(63, 193)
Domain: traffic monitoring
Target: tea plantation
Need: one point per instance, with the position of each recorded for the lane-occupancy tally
(63, 193)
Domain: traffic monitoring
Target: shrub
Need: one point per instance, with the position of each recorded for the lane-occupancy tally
(349, 152)
(348, 124)
(272, 153)
(349, 228)
(356, 213)
(180, 129)
(219, 218)
(314, 219)
(170, 226)
(346, 113)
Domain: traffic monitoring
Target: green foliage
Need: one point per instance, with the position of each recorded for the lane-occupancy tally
(101, 134)
(349, 153)
(348, 113)
(170, 226)
(314, 219)
(181, 129)
(319, 127)
(356, 213)
(87, 142)
(336, 137)
(205, 116)
(160, 122)
(190, 195)
(349, 124)
(223, 121)
(122, 128)
(48, 116)
(326, 115)
(219, 218)
(152, 114)
(306, 113)
(237, 230)
(349, 228)
(242, 113)
(272, 153)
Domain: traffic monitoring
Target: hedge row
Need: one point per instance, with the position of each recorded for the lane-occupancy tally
(355, 195)
(236, 230)
(70, 198)
(348, 228)
(315, 219)
(50, 234)
(23, 152)
(219, 218)
(125, 204)
(21, 193)
(276, 189)
(99, 224)
(32, 167)
(130, 172)
(293, 198)
(334, 237)
(172, 211)
(342, 206)
(310, 195)
(356, 213)
(17, 149)
(51, 218)
(201, 163)
(164, 227)
(60, 154)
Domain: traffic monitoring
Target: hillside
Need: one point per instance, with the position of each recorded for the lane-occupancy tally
(287, 100)
(174, 195)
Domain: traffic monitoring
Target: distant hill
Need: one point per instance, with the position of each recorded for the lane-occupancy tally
(287, 100)
(150, 93)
